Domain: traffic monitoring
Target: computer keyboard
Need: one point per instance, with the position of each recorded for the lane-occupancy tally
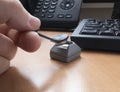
(98, 34)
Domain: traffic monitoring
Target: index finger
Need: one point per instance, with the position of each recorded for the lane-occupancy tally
(15, 16)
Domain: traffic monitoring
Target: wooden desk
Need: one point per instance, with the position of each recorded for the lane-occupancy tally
(36, 72)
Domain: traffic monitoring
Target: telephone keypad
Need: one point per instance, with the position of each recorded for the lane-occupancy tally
(49, 7)
(46, 8)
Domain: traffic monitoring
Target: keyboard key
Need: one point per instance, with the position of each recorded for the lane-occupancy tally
(94, 32)
(107, 32)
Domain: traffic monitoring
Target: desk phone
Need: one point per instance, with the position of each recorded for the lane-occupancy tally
(60, 14)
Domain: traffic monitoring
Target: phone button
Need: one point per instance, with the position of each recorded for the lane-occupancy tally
(68, 16)
(51, 11)
(50, 16)
(42, 15)
(60, 15)
(37, 10)
(67, 4)
(52, 7)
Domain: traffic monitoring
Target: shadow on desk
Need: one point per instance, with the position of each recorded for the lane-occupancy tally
(14, 81)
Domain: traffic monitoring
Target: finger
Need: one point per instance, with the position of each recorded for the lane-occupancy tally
(4, 28)
(13, 35)
(7, 48)
(28, 41)
(4, 64)
(16, 16)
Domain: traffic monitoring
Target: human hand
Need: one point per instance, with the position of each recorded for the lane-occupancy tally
(16, 26)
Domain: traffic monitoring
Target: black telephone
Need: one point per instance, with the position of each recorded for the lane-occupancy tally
(116, 10)
(56, 14)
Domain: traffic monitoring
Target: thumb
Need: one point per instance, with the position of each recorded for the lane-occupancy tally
(15, 16)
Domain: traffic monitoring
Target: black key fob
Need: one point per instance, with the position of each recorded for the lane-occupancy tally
(65, 52)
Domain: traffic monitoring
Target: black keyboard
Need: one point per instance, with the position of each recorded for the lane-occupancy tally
(98, 34)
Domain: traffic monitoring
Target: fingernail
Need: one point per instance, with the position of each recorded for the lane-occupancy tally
(34, 23)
